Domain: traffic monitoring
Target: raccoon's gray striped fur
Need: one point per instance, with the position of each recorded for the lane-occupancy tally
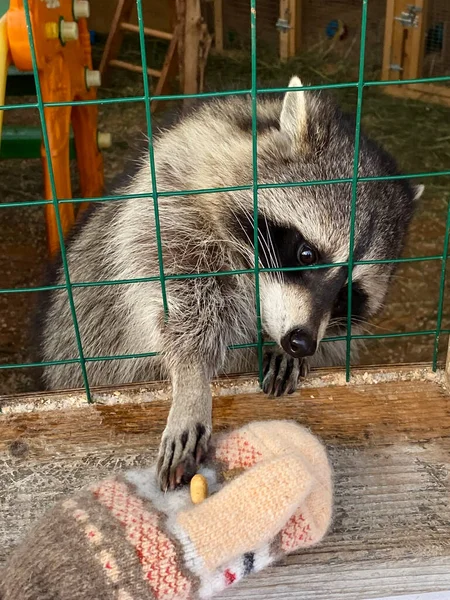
(303, 137)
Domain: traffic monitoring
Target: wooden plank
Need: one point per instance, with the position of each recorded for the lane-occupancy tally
(161, 35)
(295, 33)
(205, 47)
(389, 444)
(360, 415)
(399, 38)
(426, 92)
(290, 39)
(191, 46)
(284, 40)
(431, 596)
(218, 26)
(180, 8)
(388, 40)
(414, 50)
(136, 68)
(168, 71)
(221, 386)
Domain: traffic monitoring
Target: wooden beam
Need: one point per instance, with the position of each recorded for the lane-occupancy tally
(386, 74)
(426, 92)
(284, 34)
(218, 26)
(136, 68)
(168, 71)
(290, 39)
(180, 6)
(205, 47)
(161, 35)
(191, 45)
(414, 48)
(295, 33)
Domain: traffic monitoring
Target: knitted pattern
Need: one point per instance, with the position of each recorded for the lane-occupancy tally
(123, 539)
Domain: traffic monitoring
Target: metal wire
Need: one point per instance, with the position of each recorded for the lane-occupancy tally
(234, 188)
(148, 116)
(46, 141)
(254, 187)
(254, 97)
(359, 102)
(441, 290)
(164, 98)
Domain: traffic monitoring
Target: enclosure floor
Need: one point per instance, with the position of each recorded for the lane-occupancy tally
(388, 442)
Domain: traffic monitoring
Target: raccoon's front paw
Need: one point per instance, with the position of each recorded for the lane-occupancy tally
(281, 372)
(181, 451)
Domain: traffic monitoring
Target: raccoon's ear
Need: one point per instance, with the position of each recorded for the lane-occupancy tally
(418, 191)
(293, 118)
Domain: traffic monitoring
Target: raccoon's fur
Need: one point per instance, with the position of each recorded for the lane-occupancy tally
(302, 137)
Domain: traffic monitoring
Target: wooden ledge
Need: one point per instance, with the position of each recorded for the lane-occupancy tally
(389, 443)
(225, 386)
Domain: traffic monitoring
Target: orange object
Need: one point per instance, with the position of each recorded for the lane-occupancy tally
(63, 54)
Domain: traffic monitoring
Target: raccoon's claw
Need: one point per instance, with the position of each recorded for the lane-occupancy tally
(180, 454)
(282, 372)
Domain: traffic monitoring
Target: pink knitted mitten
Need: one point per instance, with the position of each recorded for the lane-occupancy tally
(123, 539)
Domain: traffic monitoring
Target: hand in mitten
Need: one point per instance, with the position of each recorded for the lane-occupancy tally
(124, 539)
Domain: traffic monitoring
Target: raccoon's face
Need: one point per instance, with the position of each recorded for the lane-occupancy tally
(301, 307)
(309, 226)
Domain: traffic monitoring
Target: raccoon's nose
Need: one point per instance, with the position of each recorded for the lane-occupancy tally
(299, 343)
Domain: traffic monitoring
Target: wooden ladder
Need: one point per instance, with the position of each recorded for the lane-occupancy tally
(119, 26)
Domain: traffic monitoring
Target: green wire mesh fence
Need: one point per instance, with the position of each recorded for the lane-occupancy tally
(254, 91)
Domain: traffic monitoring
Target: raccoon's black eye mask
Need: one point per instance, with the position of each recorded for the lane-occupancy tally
(286, 247)
(279, 246)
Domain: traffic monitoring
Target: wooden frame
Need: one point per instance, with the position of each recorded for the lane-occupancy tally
(403, 54)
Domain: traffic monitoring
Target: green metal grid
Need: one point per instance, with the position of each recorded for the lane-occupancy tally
(254, 91)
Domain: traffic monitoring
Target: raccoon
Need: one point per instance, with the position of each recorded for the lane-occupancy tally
(302, 136)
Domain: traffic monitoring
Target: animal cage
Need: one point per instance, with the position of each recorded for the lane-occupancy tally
(400, 81)
(417, 46)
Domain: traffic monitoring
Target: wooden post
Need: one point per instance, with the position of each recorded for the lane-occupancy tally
(218, 25)
(403, 44)
(295, 33)
(181, 28)
(388, 40)
(290, 38)
(191, 46)
(204, 49)
(414, 49)
(195, 42)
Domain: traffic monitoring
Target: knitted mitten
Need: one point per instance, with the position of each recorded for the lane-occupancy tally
(123, 539)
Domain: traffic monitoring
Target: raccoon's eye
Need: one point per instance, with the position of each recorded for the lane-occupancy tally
(306, 255)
